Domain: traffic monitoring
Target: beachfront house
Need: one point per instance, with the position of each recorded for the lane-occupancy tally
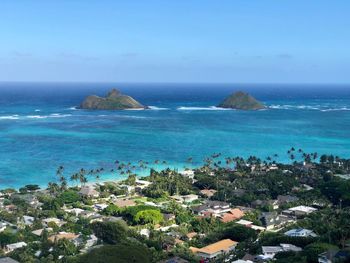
(216, 249)
(185, 198)
(89, 191)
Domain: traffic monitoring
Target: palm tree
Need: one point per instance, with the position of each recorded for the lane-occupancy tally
(75, 177)
(53, 188)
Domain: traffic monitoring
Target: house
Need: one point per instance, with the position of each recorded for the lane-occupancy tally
(39, 232)
(57, 221)
(211, 208)
(100, 206)
(299, 211)
(331, 256)
(269, 252)
(300, 232)
(28, 220)
(234, 214)
(185, 198)
(244, 222)
(213, 250)
(250, 224)
(8, 260)
(75, 211)
(63, 235)
(188, 173)
(88, 191)
(11, 247)
(208, 192)
(272, 220)
(124, 202)
(141, 184)
(218, 207)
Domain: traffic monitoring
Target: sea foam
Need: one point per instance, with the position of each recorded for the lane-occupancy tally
(211, 108)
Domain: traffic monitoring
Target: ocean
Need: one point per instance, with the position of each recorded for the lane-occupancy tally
(40, 128)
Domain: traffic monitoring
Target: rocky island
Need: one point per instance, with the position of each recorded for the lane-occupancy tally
(114, 100)
(241, 101)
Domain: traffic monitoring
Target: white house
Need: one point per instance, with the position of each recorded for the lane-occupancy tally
(300, 232)
(28, 220)
(269, 252)
(11, 247)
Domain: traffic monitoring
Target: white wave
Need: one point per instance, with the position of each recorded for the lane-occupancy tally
(157, 108)
(37, 110)
(323, 108)
(58, 115)
(202, 108)
(53, 115)
(9, 117)
(135, 109)
(335, 109)
(36, 117)
(72, 108)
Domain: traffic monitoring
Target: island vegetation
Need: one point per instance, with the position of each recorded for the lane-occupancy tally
(241, 101)
(114, 100)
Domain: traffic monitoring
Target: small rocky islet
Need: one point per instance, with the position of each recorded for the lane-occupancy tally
(241, 101)
(114, 100)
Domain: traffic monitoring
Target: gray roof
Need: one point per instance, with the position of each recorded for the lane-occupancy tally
(8, 260)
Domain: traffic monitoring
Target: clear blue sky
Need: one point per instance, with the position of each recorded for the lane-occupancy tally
(269, 41)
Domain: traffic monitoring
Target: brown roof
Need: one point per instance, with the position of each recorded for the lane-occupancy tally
(223, 245)
(59, 236)
(208, 192)
(234, 214)
(238, 213)
(124, 203)
(191, 235)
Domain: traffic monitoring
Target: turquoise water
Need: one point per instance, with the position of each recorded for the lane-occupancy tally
(40, 129)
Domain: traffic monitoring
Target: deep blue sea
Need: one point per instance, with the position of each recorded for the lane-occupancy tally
(40, 129)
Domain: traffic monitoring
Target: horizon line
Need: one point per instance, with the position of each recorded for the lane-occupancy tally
(171, 82)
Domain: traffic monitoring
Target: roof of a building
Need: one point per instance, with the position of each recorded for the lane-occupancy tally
(222, 245)
(300, 232)
(124, 202)
(303, 208)
(63, 235)
(244, 222)
(89, 191)
(8, 260)
(208, 192)
(16, 245)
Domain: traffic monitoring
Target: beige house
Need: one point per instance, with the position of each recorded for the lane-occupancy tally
(212, 251)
